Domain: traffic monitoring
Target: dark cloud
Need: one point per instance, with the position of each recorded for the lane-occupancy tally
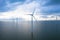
(3, 4)
(52, 2)
(50, 7)
(12, 1)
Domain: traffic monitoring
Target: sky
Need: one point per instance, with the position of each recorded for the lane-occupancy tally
(9, 8)
(42, 6)
(51, 7)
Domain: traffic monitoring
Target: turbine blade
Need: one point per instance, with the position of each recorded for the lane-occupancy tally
(33, 11)
(35, 19)
(28, 14)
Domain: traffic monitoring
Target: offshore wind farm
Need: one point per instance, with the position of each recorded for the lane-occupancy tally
(29, 19)
(23, 27)
(19, 27)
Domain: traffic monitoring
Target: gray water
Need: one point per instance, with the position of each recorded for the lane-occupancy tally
(21, 30)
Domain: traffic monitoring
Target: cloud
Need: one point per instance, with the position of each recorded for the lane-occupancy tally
(20, 11)
(6, 6)
(9, 5)
(50, 7)
(50, 2)
(13, 1)
(27, 6)
(55, 9)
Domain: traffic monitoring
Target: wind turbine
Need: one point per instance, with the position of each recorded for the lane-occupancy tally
(56, 17)
(32, 16)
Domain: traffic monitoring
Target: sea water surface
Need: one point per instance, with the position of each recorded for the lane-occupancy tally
(21, 30)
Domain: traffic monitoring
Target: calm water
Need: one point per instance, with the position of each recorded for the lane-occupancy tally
(42, 30)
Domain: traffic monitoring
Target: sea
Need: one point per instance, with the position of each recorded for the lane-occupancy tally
(21, 30)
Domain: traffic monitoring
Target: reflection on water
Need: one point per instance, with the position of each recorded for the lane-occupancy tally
(21, 30)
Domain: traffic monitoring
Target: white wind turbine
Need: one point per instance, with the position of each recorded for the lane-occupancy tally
(32, 16)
